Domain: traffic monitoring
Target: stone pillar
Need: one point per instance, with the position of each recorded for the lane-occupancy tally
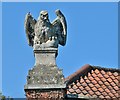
(45, 80)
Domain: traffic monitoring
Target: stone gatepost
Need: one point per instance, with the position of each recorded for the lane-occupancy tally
(45, 80)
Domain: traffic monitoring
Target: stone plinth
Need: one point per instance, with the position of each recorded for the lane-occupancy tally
(45, 56)
(45, 78)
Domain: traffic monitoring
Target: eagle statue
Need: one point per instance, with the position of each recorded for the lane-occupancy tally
(42, 33)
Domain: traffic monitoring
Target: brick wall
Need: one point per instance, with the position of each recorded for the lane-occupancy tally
(45, 94)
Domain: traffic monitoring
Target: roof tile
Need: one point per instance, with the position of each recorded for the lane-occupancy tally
(74, 93)
(103, 72)
(101, 96)
(87, 88)
(97, 82)
(81, 94)
(116, 81)
(107, 97)
(100, 75)
(94, 75)
(91, 78)
(97, 85)
(68, 92)
(94, 82)
(116, 88)
(106, 76)
(97, 79)
(97, 71)
(81, 88)
(106, 83)
(78, 91)
(84, 84)
(73, 83)
(94, 96)
(81, 80)
(71, 90)
(100, 82)
(103, 79)
(69, 86)
(91, 85)
(84, 92)
(115, 74)
(109, 73)
(107, 90)
(113, 91)
(104, 93)
(77, 81)
(88, 95)
(98, 93)
(112, 77)
(110, 94)
(94, 89)
(75, 87)
(110, 87)
(85, 77)
(109, 80)
(88, 81)
(103, 86)
(89, 74)
(91, 92)
(78, 84)
(117, 95)
(113, 84)
(100, 89)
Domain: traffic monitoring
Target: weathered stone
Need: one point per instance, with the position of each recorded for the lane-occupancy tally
(45, 80)
(45, 56)
(42, 33)
(45, 75)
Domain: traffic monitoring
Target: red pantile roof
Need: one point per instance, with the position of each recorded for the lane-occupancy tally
(94, 82)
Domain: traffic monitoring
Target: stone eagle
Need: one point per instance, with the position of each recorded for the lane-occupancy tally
(43, 33)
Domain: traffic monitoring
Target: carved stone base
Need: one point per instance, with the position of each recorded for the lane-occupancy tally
(42, 75)
(45, 82)
(45, 94)
(45, 79)
(45, 56)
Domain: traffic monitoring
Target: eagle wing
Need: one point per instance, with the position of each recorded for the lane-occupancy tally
(60, 27)
(29, 28)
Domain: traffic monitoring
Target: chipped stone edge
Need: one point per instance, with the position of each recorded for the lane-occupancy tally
(51, 86)
(46, 49)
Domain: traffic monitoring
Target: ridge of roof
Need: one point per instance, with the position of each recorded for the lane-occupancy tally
(107, 69)
(84, 71)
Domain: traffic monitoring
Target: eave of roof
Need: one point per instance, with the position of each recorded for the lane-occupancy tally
(94, 82)
(84, 71)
